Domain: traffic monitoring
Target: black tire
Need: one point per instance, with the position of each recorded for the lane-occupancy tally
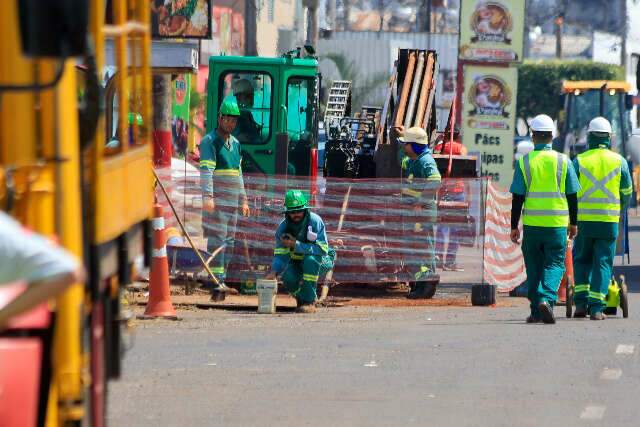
(430, 290)
(569, 303)
(624, 300)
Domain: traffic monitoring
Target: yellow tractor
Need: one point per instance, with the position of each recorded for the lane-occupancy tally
(58, 178)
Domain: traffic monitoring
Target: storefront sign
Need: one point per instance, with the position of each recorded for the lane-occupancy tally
(491, 31)
(488, 118)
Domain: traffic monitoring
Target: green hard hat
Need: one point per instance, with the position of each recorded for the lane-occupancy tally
(138, 118)
(229, 107)
(295, 200)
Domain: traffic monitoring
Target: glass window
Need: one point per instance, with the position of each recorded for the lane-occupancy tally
(253, 91)
(301, 118)
(586, 106)
(300, 108)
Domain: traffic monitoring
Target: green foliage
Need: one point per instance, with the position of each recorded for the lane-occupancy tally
(539, 83)
(361, 86)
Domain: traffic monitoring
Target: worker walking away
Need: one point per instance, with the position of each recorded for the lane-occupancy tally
(222, 185)
(605, 189)
(452, 190)
(24, 256)
(421, 181)
(302, 254)
(545, 183)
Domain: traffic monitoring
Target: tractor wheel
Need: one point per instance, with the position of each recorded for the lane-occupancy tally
(624, 300)
(569, 302)
(430, 290)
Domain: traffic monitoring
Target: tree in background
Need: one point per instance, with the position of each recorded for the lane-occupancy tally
(361, 86)
(539, 83)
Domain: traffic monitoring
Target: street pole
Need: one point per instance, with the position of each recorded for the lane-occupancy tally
(332, 15)
(346, 15)
(559, 21)
(427, 27)
(250, 28)
(162, 144)
(312, 21)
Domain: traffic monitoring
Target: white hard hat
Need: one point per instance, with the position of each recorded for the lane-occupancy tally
(523, 147)
(415, 134)
(600, 124)
(542, 123)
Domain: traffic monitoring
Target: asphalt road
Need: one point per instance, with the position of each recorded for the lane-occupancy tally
(372, 366)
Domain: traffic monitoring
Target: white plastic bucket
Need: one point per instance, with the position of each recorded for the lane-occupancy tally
(267, 291)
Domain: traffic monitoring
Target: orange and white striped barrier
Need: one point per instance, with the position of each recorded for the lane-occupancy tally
(503, 260)
(159, 304)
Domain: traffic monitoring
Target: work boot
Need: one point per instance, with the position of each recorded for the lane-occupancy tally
(546, 313)
(306, 308)
(534, 319)
(581, 312)
(598, 315)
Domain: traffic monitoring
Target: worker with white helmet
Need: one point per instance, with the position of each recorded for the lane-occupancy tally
(421, 181)
(606, 187)
(545, 183)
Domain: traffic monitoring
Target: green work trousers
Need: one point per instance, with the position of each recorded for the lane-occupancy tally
(544, 250)
(419, 231)
(593, 264)
(220, 229)
(300, 278)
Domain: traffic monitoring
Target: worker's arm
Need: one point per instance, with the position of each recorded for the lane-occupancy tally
(319, 246)
(518, 190)
(30, 258)
(243, 193)
(207, 166)
(626, 185)
(571, 189)
(280, 253)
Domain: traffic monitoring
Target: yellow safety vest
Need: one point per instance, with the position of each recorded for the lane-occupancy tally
(545, 203)
(599, 196)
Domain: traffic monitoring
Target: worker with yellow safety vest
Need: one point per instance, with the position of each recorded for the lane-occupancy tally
(222, 186)
(605, 189)
(545, 183)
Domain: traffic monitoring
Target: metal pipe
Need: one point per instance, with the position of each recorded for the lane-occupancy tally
(424, 92)
(411, 108)
(406, 85)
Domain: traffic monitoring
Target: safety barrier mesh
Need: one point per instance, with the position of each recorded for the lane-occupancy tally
(377, 233)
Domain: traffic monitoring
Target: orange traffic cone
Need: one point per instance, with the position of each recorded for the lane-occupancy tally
(159, 304)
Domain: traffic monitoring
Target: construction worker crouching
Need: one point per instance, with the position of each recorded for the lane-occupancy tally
(302, 254)
(545, 183)
(605, 189)
(222, 186)
(420, 187)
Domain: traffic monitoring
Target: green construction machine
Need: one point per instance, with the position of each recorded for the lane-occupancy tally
(278, 99)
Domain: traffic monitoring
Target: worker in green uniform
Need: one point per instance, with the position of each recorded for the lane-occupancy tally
(302, 254)
(605, 189)
(247, 130)
(545, 183)
(421, 181)
(222, 186)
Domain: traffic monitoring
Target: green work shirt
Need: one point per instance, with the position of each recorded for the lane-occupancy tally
(220, 170)
(421, 175)
(518, 185)
(606, 230)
